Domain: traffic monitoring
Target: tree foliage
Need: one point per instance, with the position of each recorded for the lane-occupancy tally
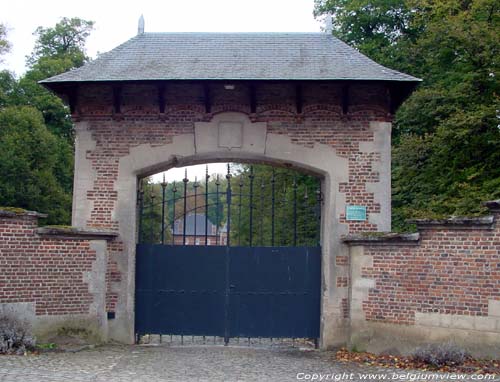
(65, 40)
(4, 43)
(57, 50)
(254, 207)
(374, 27)
(447, 134)
(28, 159)
(24, 101)
(152, 205)
(297, 199)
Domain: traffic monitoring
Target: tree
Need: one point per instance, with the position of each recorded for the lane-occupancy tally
(57, 50)
(7, 80)
(66, 40)
(7, 87)
(27, 164)
(374, 27)
(446, 135)
(295, 202)
(259, 202)
(4, 43)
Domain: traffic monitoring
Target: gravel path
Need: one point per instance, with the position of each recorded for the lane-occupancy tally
(182, 363)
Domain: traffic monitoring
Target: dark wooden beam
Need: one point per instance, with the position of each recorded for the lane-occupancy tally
(161, 97)
(117, 99)
(390, 100)
(253, 99)
(208, 101)
(345, 99)
(73, 99)
(298, 99)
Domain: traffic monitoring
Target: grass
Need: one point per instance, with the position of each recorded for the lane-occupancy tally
(47, 346)
(13, 209)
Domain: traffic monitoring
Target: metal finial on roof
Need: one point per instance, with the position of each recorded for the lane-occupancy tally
(328, 23)
(140, 28)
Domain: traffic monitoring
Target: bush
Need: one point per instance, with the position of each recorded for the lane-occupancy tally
(439, 355)
(15, 337)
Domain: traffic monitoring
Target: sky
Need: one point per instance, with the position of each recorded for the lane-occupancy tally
(116, 22)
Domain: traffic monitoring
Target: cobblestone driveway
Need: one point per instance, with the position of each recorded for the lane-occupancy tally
(175, 363)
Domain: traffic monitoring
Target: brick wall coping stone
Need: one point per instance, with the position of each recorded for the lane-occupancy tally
(76, 233)
(10, 212)
(455, 222)
(382, 238)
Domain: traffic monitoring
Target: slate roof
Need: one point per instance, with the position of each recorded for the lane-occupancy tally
(231, 56)
(200, 225)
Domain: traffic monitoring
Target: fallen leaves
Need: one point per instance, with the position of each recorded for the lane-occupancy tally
(471, 365)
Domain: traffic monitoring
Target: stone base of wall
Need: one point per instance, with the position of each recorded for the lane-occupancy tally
(52, 278)
(46, 327)
(379, 338)
(441, 284)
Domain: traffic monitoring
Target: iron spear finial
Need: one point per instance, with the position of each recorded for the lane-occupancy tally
(328, 23)
(140, 28)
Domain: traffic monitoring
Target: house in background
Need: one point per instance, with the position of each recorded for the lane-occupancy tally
(195, 231)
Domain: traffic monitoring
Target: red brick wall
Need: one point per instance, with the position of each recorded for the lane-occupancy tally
(47, 272)
(140, 122)
(451, 271)
(321, 122)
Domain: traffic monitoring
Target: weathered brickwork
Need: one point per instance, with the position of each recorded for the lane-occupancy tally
(140, 122)
(342, 260)
(440, 284)
(113, 275)
(45, 271)
(342, 281)
(451, 271)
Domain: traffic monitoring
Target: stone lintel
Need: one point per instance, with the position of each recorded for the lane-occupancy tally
(455, 222)
(11, 212)
(76, 233)
(381, 238)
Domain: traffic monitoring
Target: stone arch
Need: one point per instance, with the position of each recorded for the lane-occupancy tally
(231, 136)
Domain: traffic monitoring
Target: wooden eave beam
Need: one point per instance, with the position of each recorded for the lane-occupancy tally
(299, 101)
(345, 98)
(253, 98)
(73, 99)
(162, 97)
(391, 99)
(207, 98)
(117, 99)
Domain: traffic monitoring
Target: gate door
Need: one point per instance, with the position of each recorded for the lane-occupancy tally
(237, 263)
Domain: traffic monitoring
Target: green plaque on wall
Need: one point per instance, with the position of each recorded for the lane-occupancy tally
(355, 213)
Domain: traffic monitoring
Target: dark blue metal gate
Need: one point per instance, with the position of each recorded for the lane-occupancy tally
(229, 291)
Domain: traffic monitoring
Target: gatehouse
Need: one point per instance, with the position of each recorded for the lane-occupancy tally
(305, 102)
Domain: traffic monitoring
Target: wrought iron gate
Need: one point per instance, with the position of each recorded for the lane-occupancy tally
(238, 263)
